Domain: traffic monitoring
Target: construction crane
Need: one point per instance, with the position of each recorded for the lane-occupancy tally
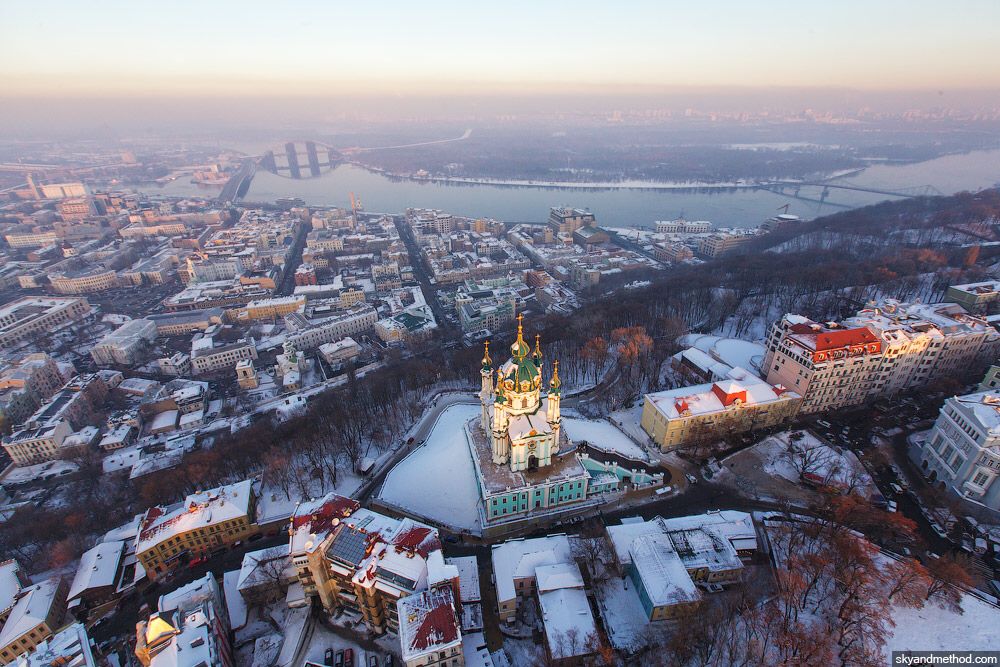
(783, 209)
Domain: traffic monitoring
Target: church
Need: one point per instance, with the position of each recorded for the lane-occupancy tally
(525, 464)
(523, 425)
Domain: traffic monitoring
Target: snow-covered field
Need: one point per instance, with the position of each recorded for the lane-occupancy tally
(602, 435)
(437, 480)
(934, 629)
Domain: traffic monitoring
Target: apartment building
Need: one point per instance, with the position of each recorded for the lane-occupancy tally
(830, 365)
(362, 561)
(37, 443)
(961, 454)
(24, 319)
(681, 226)
(880, 351)
(263, 309)
(169, 536)
(430, 631)
(722, 243)
(567, 220)
(313, 333)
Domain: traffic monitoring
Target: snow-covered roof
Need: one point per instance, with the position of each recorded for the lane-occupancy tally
(30, 611)
(565, 612)
(740, 387)
(558, 575)
(98, 567)
(196, 511)
(70, 647)
(468, 577)
(984, 408)
(662, 571)
(251, 573)
(427, 623)
(518, 559)
(734, 525)
(10, 583)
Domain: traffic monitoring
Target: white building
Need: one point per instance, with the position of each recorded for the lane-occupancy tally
(961, 453)
(358, 319)
(124, 346)
(30, 317)
(207, 357)
(429, 631)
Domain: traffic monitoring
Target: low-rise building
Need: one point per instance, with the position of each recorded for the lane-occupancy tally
(36, 615)
(13, 579)
(340, 352)
(739, 403)
(169, 536)
(514, 564)
(430, 634)
(974, 297)
(176, 365)
(207, 357)
(125, 345)
(313, 333)
(85, 281)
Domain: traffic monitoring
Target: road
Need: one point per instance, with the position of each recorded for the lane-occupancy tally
(287, 285)
(422, 273)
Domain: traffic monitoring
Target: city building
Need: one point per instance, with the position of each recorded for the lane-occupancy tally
(567, 220)
(722, 243)
(514, 565)
(30, 317)
(13, 579)
(185, 322)
(36, 616)
(190, 628)
(37, 442)
(738, 403)
(341, 352)
(682, 226)
(880, 351)
(961, 454)
(309, 334)
(363, 562)
(84, 281)
(125, 345)
(177, 365)
(830, 365)
(430, 633)
(70, 647)
(974, 297)
(992, 379)
(169, 536)
(207, 356)
(263, 309)
(246, 374)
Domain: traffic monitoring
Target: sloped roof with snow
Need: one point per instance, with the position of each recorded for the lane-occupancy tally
(30, 610)
(198, 510)
(10, 583)
(662, 571)
(518, 559)
(98, 567)
(427, 623)
(565, 614)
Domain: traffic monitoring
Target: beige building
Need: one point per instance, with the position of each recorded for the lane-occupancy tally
(27, 318)
(271, 308)
(363, 562)
(246, 374)
(84, 282)
(739, 403)
(207, 357)
(881, 351)
(37, 444)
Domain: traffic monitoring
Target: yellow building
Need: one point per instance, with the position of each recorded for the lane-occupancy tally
(740, 403)
(35, 617)
(169, 536)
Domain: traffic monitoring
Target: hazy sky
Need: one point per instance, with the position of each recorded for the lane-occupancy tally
(92, 47)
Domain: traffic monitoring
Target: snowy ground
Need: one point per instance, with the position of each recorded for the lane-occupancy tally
(823, 460)
(731, 351)
(933, 628)
(603, 435)
(629, 420)
(437, 480)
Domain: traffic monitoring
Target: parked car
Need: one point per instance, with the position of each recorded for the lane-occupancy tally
(890, 506)
(665, 490)
(328, 657)
(691, 478)
(388, 661)
(349, 657)
(339, 660)
(896, 488)
(373, 661)
(938, 530)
